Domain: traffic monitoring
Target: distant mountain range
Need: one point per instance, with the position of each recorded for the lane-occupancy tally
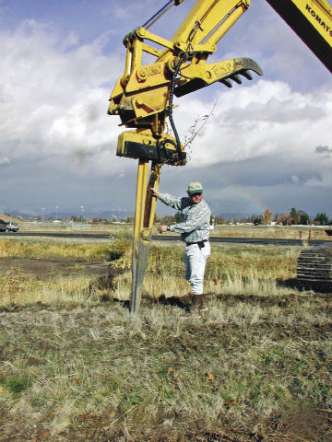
(97, 213)
(68, 213)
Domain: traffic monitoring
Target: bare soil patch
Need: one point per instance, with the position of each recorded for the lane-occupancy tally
(47, 268)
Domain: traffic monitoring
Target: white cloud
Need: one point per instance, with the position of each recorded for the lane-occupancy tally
(269, 141)
(263, 119)
(4, 161)
(264, 36)
(324, 179)
(53, 97)
(53, 102)
(295, 179)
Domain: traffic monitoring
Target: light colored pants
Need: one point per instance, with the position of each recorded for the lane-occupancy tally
(195, 262)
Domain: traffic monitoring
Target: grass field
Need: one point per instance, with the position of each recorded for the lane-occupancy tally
(74, 366)
(226, 230)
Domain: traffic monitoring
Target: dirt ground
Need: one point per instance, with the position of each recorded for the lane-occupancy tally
(251, 368)
(28, 420)
(46, 268)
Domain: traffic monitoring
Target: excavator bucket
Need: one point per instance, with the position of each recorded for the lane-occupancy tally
(227, 71)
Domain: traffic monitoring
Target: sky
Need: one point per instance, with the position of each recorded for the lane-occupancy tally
(266, 144)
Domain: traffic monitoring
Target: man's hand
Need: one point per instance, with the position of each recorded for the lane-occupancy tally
(162, 228)
(154, 192)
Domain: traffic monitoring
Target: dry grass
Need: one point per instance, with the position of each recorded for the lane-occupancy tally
(49, 249)
(117, 230)
(124, 231)
(231, 269)
(253, 367)
(17, 288)
(281, 232)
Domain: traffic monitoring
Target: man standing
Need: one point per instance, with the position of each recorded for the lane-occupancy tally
(194, 228)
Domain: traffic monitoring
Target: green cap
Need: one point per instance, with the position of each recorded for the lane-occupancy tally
(194, 187)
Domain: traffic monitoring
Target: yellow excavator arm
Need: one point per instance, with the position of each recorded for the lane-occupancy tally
(143, 95)
(312, 22)
(143, 99)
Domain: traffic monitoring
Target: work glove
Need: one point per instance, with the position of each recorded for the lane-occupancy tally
(162, 228)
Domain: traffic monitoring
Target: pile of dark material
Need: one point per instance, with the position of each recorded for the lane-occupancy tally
(314, 268)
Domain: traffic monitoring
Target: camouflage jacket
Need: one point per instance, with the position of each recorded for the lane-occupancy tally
(195, 218)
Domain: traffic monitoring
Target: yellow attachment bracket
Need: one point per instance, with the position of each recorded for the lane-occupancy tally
(144, 34)
(150, 50)
(141, 144)
(141, 96)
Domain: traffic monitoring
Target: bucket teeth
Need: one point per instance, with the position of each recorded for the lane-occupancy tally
(226, 82)
(245, 67)
(247, 75)
(236, 78)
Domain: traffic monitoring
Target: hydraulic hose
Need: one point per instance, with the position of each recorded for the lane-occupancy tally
(169, 110)
(161, 12)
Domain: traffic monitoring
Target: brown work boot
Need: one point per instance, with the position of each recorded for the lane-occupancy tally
(197, 303)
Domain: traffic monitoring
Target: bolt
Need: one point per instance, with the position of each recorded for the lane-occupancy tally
(141, 75)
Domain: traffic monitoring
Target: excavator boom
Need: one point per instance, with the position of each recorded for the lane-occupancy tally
(312, 22)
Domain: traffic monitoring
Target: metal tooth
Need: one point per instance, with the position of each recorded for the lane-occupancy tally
(247, 75)
(236, 78)
(226, 82)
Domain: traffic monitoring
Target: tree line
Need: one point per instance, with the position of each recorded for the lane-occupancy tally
(292, 217)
